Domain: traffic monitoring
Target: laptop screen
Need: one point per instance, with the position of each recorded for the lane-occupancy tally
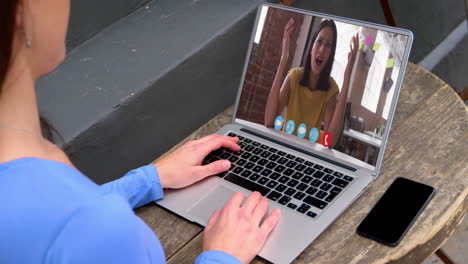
(324, 81)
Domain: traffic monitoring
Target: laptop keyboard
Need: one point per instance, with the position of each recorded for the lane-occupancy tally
(291, 181)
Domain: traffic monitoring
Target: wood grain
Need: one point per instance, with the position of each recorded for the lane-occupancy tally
(428, 143)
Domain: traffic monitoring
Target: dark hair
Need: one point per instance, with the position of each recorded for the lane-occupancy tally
(323, 82)
(8, 10)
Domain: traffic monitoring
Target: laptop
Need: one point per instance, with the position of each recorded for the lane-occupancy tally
(311, 173)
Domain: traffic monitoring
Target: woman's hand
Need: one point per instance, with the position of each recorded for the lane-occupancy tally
(288, 29)
(354, 47)
(183, 167)
(236, 229)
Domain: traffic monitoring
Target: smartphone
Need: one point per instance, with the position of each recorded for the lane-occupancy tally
(396, 211)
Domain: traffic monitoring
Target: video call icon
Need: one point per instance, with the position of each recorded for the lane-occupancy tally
(313, 135)
(279, 122)
(290, 126)
(301, 130)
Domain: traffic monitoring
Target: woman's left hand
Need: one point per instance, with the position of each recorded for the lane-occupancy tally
(182, 167)
(354, 47)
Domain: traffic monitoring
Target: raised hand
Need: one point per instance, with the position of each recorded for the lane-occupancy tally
(237, 229)
(354, 47)
(288, 29)
(183, 167)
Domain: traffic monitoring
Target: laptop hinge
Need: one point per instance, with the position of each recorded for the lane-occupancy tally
(344, 166)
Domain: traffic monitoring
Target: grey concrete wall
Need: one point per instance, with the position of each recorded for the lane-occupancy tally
(88, 17)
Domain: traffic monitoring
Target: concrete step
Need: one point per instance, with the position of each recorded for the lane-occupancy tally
(141, 85)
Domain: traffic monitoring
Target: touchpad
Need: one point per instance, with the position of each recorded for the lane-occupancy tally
(215, 199)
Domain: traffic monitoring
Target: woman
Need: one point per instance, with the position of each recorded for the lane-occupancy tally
(309, 93)
(52, 213)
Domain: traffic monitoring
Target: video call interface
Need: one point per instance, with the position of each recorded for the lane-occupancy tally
(322, 80)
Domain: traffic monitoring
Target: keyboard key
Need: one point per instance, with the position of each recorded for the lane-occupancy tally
(297, 175)
(326, 186)
(311, 190)
(274, 175)
(280, 168)
(246, 155)
(274, 157)
(258, 169)
(265, 154)
(291, 164)
(257, 151)
(318, 167)
(303, 208)
(309, 171)
(290, 192)
(299, 196)
(273, 150)
(338, 174)
(336, 190)
(217, 152)
(281, 188)
(222, 174)
(274, 196)
(251, 186)
(282, 161)
(300, 160)
(246, 174)
(242, 145)
(321, 194)
(262, 162)
(301, 186)
(249, 148)
(238, 170)
(327, 170)
(263, 180)
(225, 155)
(263, 146)
(300, 167)
(241, 162)
(281, 153)
(284, 179)
(254, 158)
(249, 165)
(328, 178)
(318, 174)
(315, 202)
(288, 172)
(311, 214)
(254, 177)
(292, 206)
(330, 197)
(306, 179)
(289, 156)
(255, 143)
(316, 183)
(248, 140)
(233, 159)
(292, 183)
(266, 172)
(231, 134)
(241, 137)
(308, 163)
(271, 165)
(340, 183)
(346, 177)
(284, 200)
(272, 184)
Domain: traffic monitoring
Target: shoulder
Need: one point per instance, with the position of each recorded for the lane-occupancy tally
(295, 73)
(333, 87)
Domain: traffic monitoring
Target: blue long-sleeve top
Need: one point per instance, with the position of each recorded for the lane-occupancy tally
(52, 213)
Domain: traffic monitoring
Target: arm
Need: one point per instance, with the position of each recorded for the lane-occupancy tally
(140, 186)
(336, 105)
(277, 97)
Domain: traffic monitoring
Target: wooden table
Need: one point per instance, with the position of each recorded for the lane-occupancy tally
(428, 143)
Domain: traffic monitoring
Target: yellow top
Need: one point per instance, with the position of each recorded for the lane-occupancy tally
(306, 106)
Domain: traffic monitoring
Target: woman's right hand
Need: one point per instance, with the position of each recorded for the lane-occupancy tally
(288, 29)
(236, 228)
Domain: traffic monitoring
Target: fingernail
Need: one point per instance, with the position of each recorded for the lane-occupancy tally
(226, 164)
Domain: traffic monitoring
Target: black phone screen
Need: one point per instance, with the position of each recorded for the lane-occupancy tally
(395, 212)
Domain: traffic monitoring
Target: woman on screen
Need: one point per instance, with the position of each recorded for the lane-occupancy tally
(309, 93)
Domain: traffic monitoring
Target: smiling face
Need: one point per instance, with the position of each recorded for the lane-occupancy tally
(321, 50)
